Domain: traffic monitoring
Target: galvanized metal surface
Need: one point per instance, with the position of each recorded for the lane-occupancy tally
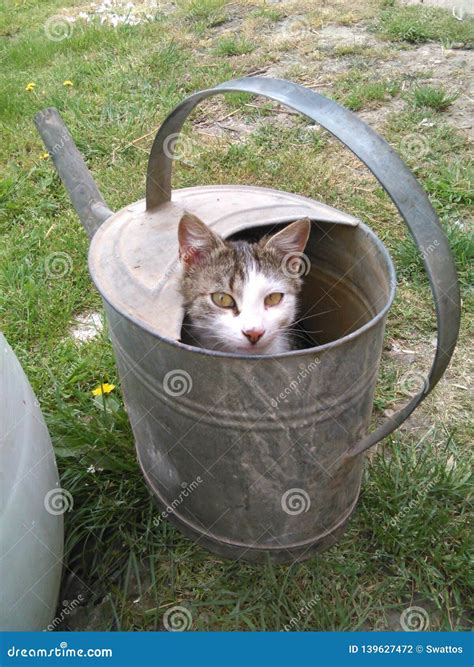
(263, 441)
(228, 443)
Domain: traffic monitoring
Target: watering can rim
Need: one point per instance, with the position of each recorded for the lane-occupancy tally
(142, 324)
(134, 255)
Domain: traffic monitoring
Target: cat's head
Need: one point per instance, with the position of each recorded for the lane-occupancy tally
(238, 295)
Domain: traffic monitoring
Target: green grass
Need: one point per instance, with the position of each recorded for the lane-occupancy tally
(461, 240)
(369, 92)
(271, 14)
(205, 13)
(356, 91)
(231, 46)
(416, 25)
(434, 98)
(352, 50)
(404, 539)
(408, 541)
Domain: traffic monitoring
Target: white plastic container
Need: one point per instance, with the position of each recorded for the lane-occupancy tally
(31, 521)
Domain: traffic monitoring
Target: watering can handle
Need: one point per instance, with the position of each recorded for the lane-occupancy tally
(387, 167)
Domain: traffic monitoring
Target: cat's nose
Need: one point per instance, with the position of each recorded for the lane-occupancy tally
(253, 335)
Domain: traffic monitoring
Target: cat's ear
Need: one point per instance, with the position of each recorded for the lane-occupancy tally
(195, 239)
(291, 239)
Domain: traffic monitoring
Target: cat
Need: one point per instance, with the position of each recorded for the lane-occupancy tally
(237, 295)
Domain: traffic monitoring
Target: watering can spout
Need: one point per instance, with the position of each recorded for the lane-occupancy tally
(84, 193)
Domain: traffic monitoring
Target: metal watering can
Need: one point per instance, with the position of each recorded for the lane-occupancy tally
(256, 457)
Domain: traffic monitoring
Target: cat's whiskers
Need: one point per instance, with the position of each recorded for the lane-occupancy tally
(198, 326)
(307, 317)
(306, 331)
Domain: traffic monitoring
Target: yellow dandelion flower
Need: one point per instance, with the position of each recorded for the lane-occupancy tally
(44, 156)
(68, 83)
(104, 388)
(30, 86)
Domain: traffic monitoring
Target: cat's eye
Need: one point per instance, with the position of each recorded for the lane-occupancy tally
(223, 300)
(273, 299)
